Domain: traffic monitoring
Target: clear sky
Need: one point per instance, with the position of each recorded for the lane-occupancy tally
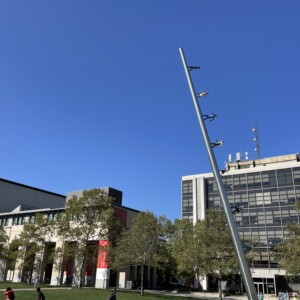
(93, 93)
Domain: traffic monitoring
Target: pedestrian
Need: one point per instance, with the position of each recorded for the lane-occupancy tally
(112, 296)
(40, 296)
(9, 294)
(35, 282)
(261, 296)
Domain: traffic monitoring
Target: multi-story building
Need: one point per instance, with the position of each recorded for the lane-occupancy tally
(20, 204)
(267, 190)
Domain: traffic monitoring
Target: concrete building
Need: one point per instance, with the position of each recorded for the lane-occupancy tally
(20, 204)
(13, 194)
(267, 189)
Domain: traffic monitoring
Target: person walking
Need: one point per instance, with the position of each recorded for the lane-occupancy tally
(112, 296)
(35, 282)
(261, 296)
(40, 296)
(9, 294)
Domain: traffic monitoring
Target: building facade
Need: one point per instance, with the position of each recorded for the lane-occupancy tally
(30, 202)
(267, 190)
(13, 194)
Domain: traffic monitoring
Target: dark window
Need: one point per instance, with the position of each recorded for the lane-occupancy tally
(284, 177)
(3, 221)
(187, 199)
(269, 179)
(32, 219)
(296, 174)
(239, 182)
(254, 181)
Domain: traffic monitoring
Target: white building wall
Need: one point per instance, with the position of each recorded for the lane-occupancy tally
(199, 195)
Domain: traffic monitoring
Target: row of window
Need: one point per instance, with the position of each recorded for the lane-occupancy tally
(187, 199)
(21, 219)
(267, 197)
(258, 180)
(263, 197)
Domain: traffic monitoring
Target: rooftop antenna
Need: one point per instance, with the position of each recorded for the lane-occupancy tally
(256, 140)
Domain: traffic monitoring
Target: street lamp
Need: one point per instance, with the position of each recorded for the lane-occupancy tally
(244, 269)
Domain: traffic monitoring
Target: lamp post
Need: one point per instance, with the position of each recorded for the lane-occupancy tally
(244, 269)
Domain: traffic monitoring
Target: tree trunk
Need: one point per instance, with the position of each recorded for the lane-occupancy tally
(142, 280)
(82, 269)
(220, 289)
(82, 273)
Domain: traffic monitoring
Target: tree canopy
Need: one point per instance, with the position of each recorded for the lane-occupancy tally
(3, 241)
(87, 218)
(186, 249)
(28, 248)
(205, 248)
(140, 244)
(288, 253)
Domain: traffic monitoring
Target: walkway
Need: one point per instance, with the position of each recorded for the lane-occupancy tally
(208, 296)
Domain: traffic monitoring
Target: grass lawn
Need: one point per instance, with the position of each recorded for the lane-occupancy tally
(82, 294)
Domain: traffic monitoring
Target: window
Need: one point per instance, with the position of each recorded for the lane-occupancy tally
(297, 191)
(187, 199)
(187, 187)
(274, 195)
(239, 182)
(269, 179)
(32, 219)
(253, 220)
(55, 216)
(254, 181)
(3, 221)
(284, 177)
(296, 173)
(228, 183)
(18, 220)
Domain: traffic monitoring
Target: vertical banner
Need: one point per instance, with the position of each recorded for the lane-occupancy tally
(102, 262)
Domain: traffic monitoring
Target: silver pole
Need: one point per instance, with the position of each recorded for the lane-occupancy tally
(245, 271)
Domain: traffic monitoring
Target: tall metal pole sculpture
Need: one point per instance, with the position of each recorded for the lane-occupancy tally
(244, 269)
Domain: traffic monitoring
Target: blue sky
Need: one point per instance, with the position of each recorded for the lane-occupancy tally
(93, 93)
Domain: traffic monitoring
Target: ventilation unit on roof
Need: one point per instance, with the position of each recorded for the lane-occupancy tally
(238, 156)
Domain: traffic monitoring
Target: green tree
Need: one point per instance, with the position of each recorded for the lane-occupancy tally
(30, 245)
(3, 243)
(63, 254)
(186, 248)
(13, 252)
(297, 205)
(86, 220)
(141, 244)
(219, 255)
(205, 248)
(288, 253)
(166, 266)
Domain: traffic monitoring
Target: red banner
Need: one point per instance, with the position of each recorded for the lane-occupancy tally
(102, 255)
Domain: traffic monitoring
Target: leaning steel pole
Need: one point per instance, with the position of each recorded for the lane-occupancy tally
(244, 269)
